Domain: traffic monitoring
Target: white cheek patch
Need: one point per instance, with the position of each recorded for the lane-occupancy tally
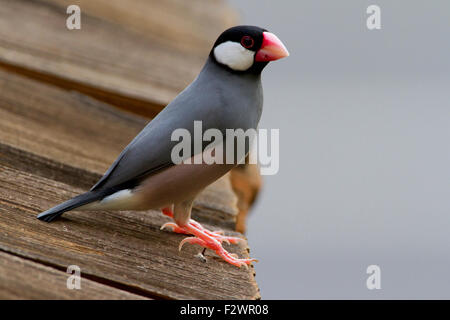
(234, 55)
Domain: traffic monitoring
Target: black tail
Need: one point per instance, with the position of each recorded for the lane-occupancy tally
(78, 201)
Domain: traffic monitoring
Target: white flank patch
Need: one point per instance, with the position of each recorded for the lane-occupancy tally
(121, 200)
(234, 55)
(119, 196)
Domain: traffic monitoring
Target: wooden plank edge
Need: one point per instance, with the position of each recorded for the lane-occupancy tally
(15, 243)
(246, 185)
(82, 178)
(44, 274)
(136, 105)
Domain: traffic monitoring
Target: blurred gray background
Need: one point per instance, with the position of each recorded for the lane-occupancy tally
(364, 119)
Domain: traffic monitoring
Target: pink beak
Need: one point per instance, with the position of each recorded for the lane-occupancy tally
(271, 49)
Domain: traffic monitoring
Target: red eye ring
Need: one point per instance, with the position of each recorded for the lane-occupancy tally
(247, 42)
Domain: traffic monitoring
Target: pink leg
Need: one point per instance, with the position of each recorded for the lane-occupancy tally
(207, 239)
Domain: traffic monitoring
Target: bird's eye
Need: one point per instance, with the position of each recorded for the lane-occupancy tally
(247, 42)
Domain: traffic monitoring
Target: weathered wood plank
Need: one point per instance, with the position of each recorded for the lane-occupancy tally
(126, 248)
(187, 26)
(24, 279)
(54, 144)
(36, 123)
(135, 54)
(181, 33)
(75, 138)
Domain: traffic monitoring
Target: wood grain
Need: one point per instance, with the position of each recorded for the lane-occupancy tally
(185, 26)
(53, 144)
(25, 279)
(170, 41)
(74, 139)
(125, 248)
(59, 132)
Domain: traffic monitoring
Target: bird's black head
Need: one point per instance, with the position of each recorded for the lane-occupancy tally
(247, 49)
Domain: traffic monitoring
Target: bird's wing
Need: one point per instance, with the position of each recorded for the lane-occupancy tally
(145, 154)
(150, 151)
(218, 98)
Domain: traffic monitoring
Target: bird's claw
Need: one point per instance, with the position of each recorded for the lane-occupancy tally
(167, 225)
(231, 258)
(191, 240)
(218, 234)
(212, 240)
(175, 228)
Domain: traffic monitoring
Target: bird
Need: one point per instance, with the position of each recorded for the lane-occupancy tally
(226, 94)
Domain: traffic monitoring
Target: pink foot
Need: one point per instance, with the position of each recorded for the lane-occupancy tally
(207, 239)
(218, 235)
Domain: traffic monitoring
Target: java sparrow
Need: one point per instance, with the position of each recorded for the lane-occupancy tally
(227, 94)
